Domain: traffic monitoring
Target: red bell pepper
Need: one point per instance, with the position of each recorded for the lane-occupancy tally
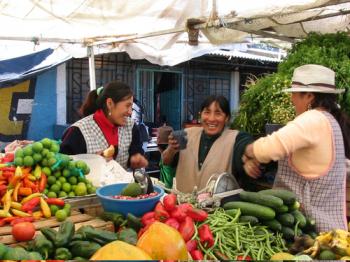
(170, 202)
(185, 207)
(146, 217)
(160, 213)
(173, 223)
(191, 245)
(205, 235)
(31, 204)
(187, 229)
(178, 214)
(198, 215)
(55, 201)
(197, 255)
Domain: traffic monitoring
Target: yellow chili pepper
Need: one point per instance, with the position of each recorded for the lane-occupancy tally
(19, 213)
(7, 200)
(45, 208)
(15, 192)
(30, 197)
(16, 205)
(3, 213)
(31, 177)
(37, 172)
(37, 214)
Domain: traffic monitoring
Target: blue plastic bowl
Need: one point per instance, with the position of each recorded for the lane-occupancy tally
(137, 207)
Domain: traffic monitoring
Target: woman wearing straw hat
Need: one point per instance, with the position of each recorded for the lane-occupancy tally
(311, 149)
(107, 125)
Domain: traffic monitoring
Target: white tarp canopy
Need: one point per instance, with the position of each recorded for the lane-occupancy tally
(156, 29)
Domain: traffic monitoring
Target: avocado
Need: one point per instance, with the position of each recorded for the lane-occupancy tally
(132, 190)
(327, 255)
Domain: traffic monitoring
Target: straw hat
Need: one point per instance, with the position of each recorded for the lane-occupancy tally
(313, 78)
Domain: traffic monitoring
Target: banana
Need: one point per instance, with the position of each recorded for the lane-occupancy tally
(325, 238)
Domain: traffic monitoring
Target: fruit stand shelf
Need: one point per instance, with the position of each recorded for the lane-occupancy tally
(76, 217)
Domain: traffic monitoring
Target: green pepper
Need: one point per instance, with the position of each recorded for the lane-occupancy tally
(128, 235)
(16, 253)
(134, 222)
(35, 256)
(49, 233)
(65, 234)
(100, 236)
(62, 253)
(3, 250)
(79, 258)
(116, 218)
(43, 246)
(78, 236)
(84, 248)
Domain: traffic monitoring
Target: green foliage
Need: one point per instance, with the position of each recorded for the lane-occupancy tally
(263, 102)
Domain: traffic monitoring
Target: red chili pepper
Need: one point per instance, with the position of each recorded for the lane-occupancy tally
(147, 216)
(21, 219)
(170, 202)
(42, 183)
(185, 207)
(191, 245)
(30, 184)
(178, 214)
(247, 258)
(31, 204)
(198, 215)
(187, 229)
(173, 223)
(55, 201)
(197, 255)
(149, 221)
(3, 187)
(8, 169)
(160, 213)
(205, 235)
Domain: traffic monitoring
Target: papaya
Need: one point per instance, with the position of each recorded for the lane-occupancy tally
(119, 250)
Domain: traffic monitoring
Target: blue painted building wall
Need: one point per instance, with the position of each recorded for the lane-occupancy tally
(44, 114)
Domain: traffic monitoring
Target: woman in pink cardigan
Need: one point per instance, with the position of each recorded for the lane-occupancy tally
(311, 150)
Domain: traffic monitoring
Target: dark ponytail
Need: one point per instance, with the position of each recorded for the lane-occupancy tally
(117, 91)
(329, 102)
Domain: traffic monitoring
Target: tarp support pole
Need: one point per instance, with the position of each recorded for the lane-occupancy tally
(90, 52)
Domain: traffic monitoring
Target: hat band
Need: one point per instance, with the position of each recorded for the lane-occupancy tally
(314, 84)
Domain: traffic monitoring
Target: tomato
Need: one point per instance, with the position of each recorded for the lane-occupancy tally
(23, 231)
(247, 258)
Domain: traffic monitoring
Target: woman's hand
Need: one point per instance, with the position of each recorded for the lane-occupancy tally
(138, 161)
(252, 168)
(173, 144)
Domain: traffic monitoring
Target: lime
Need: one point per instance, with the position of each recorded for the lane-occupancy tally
(65, 160)
(46, 142)
(73, 180)
(80, 189)
(28, 151)
(57, 174)
(46, 170)
(73, 187)
(81, 165)
(44, 162)
(59, 183)
(55, 188)
(50, 155)
(54, 209)
(71, 194)
(51, 161)
(19, 153)
(66, 172)
(55, 148)
(87, 170)
(62, 194)
(81, 179)
(44, 152)
(66, 187)
(61, 215)
(37, 147)
(71, 165)
(51, 180)
(62, 179)
(51, 194)
(91, 190)
(28, 161)
(37, 157)
(68, 208)
(18, 161)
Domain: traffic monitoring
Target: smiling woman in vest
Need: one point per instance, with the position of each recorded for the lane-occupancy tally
(107, 122)
(311, 149)
(212, 148)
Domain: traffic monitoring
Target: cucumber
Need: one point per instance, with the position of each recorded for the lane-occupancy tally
(286, 219)
(299, 217)
(261, 199)
(295, 206)
(282, 209)
(251, 209)
(288, 197)
(288, 233)
(273, 225)
(310, 224)
(250, 219)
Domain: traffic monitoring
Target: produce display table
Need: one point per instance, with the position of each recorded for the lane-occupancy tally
(76, 217)
(89, 205)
